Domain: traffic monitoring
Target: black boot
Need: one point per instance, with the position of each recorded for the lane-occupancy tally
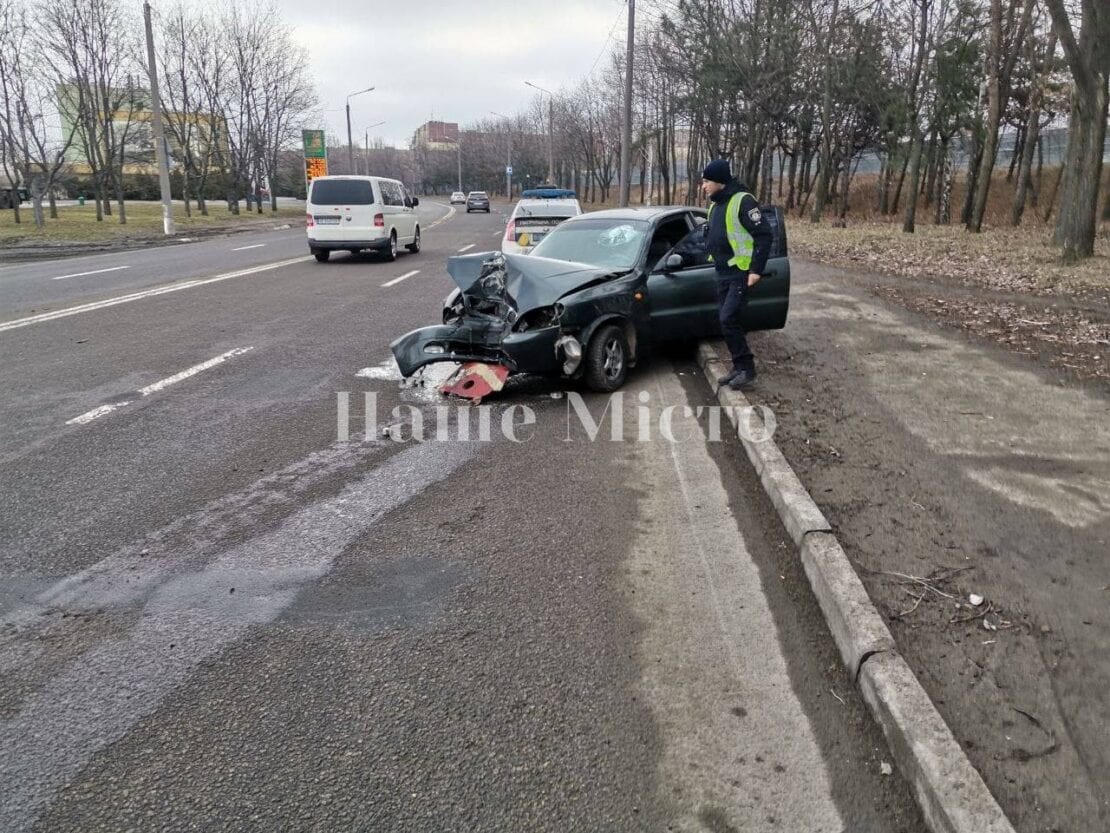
(728, 377)
(742, 379)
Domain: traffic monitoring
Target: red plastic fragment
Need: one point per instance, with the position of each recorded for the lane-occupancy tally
(475, 380)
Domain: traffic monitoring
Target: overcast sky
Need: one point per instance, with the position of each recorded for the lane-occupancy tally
(452, 60)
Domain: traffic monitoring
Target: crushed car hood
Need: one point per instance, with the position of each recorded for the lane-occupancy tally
(523, 282)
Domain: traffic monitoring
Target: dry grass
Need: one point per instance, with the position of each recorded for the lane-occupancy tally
(1020, 259)
(1001, 256)
(77, 224)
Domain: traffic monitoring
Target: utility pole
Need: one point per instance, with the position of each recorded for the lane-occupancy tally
(160, 149)
(550, 139)
(550, 131)
(366, 158)
(626, 127)
(508, 156)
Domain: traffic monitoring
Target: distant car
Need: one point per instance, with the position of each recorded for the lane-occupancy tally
(593, 297)
(477, 201)
(458, 198)
(531, 220)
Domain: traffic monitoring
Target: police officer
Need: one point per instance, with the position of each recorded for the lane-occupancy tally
(739, 241)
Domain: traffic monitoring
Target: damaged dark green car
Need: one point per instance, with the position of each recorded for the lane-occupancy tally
(592, 298)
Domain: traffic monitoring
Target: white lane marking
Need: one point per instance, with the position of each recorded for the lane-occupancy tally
(93, 272)
(465, 248)
(244, 248)
(96, 413)
(398, 280)
(147, 293)
(450, 213)
(498, 233)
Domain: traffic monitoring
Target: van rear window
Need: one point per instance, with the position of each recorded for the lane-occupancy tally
(341, 192)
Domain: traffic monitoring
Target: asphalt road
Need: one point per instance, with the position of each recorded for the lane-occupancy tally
(215, 615)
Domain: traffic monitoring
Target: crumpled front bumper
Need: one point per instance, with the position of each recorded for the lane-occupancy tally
(529, 352)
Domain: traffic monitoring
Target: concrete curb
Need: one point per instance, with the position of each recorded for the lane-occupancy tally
(951, 793)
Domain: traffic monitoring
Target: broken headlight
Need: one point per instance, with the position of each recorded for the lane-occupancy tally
(453, 311)
(539, 318)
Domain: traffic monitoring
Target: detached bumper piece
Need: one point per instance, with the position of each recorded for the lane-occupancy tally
(475, 380)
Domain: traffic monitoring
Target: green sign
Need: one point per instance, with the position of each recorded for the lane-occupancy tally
(314, 147)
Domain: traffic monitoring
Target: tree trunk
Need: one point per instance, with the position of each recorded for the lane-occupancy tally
(901, 183)
(53, 205)
(1019, 148)
(931, 175)
(1032, 134)
(882, 202)
(944, 193)
(1089, 62)
(974, 155)
(1077, 222)
(792, 179)
(910, 218)
(990, 125)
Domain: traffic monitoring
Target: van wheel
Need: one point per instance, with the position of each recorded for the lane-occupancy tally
(414, 246)
(607, 359)
(391, 252)
(321, 255)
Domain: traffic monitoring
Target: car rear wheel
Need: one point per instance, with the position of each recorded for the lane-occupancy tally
(414, 246)
(391, 252)
(321, 255)
(607, 359)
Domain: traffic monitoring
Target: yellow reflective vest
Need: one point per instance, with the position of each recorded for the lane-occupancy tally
(739, 239)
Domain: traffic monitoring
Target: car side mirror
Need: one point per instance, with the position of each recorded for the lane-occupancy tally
(672, 263)
(415, 201)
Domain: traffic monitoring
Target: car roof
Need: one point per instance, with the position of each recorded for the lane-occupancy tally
(643, 212)
(547, 208)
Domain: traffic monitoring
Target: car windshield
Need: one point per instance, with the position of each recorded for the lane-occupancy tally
(600, 242)
(341, 192)
(478, 195)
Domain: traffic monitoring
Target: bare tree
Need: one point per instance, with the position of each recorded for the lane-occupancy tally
(1088, 58)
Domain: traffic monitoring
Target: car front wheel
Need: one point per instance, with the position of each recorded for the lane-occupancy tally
(607, 359)
(414, 246)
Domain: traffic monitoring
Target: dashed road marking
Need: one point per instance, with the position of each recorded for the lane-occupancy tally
(93, 272)
(244, 248)
(147, 293)
(161, 384)
(467, 247)
(401, 278)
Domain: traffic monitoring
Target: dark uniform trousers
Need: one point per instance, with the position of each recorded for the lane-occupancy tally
(732, 295)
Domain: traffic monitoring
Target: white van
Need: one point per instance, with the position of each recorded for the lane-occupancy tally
(355, 213)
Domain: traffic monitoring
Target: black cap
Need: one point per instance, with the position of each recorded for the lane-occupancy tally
(718, 171)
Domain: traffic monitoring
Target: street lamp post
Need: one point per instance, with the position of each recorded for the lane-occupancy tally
(508, 157)
(550, 130)
(366, 157)
(350, 141)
